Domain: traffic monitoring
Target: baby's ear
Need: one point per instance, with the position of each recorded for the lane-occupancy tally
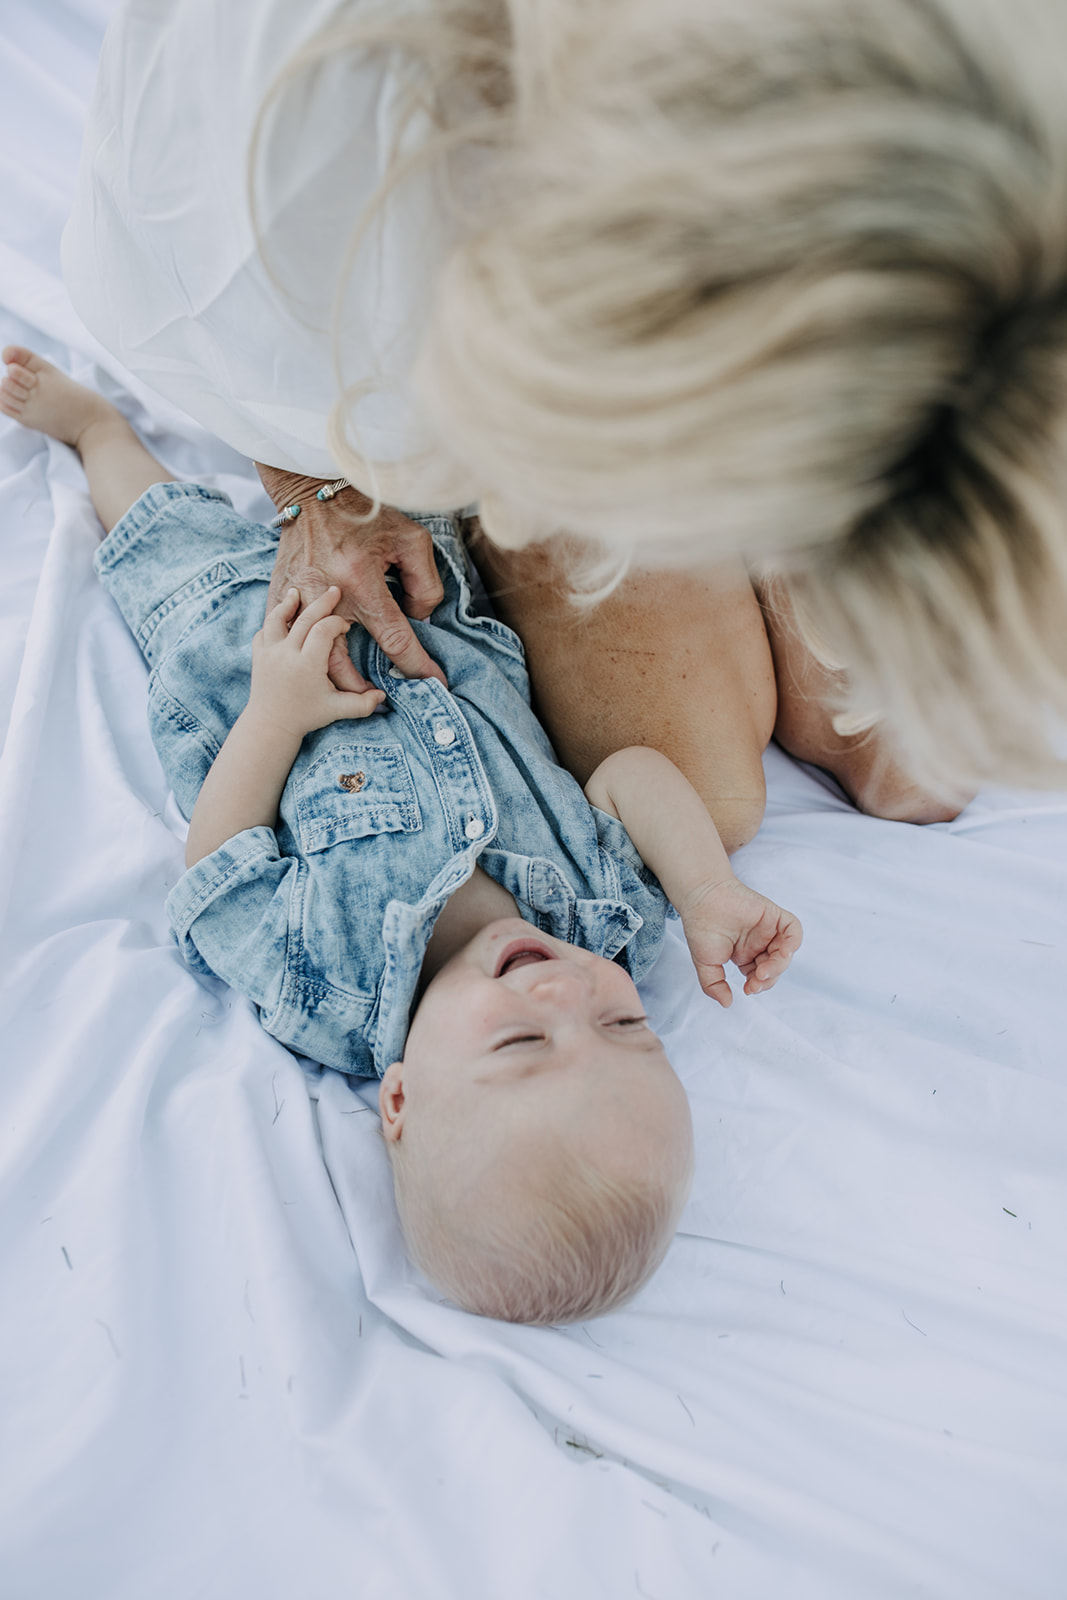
(391, 1101)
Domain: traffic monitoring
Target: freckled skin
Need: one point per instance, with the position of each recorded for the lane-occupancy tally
(608, 678)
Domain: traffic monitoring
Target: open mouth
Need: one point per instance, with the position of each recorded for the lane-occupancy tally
(521, 953)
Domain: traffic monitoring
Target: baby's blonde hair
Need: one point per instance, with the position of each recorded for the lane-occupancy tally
(565, 1243)
(789, 280)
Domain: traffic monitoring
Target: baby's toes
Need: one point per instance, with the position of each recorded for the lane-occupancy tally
(12, 396)
(21, 355)
(20, 379)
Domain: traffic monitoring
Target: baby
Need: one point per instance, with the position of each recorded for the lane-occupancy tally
(406, 884)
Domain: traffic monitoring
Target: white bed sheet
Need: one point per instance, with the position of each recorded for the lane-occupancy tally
(218, 1376)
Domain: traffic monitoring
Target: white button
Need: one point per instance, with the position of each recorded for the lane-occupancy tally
(395, 672)
(444, 735)
(475, 828)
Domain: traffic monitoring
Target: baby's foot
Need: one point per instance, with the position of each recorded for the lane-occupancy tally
(39, 396)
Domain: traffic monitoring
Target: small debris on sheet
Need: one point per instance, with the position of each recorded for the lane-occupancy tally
(893, 1001)
(584, 1449)
(781, 1284)
(241, 1363)
(656, 1509)
(911, 1324)
(686, 1409)
(110, 1338)
(277, 1107)
(1009, 1213)
(589, 1336)
(359, 1335)
(1040, 943)
(247, 1299)
(66, 1257)
(594, 1374)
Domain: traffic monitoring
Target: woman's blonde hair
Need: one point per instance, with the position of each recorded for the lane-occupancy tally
(788, 280)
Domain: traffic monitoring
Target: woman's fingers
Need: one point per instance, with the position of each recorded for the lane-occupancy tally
(385, 622)
(414, 560)
(335, 540)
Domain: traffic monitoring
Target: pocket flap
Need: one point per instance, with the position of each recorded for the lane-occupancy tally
(354, 790)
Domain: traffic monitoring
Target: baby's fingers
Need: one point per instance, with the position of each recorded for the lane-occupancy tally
(764, 970)
(713, 982)
(358, 705)
(276, 623)
(319, 643)
(313, 614)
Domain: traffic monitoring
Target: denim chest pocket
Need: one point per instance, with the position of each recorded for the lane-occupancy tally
(352, 791)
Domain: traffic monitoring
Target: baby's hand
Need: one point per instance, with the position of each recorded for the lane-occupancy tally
(290, 657)
(728, 921)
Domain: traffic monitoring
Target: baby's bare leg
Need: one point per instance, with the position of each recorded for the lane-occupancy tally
(862, 762)
(117, 465)
(675, 661)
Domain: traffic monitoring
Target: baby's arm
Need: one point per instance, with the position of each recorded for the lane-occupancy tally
(672, 832)
(291, 695)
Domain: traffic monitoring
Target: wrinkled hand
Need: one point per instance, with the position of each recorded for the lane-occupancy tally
(728, 921)
(291, 687)
(329, 543)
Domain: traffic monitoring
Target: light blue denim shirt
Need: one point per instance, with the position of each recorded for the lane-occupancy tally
(324, 921)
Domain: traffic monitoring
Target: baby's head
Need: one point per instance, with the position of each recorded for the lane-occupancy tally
(541, 1143)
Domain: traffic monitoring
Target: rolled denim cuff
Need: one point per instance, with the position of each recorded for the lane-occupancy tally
(240, 860)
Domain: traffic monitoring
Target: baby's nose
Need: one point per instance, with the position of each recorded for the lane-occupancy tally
(560, 982)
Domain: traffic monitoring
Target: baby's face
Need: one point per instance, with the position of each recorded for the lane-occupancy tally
(522, 1036)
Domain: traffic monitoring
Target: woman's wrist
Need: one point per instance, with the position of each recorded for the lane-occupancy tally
(294, 491)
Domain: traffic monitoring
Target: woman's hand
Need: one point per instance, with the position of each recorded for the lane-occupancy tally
(292, 692)
(330, 543)
(728, 921)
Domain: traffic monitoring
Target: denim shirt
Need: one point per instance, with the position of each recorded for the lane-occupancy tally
(324, 920)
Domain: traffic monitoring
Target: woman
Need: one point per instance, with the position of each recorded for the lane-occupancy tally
(690, 284)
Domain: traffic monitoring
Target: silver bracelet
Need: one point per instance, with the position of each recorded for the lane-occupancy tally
(290, 513)
(328, 490)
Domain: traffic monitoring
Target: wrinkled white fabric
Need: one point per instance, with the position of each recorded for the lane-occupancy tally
(161, 255)
(219, 1377)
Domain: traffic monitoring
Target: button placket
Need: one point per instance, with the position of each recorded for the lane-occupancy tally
(463, 786)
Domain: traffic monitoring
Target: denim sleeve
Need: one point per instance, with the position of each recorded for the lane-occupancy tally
(240, 913)
(637, 887)
(231, 914)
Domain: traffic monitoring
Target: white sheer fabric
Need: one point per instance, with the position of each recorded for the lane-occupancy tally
(160, 254)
